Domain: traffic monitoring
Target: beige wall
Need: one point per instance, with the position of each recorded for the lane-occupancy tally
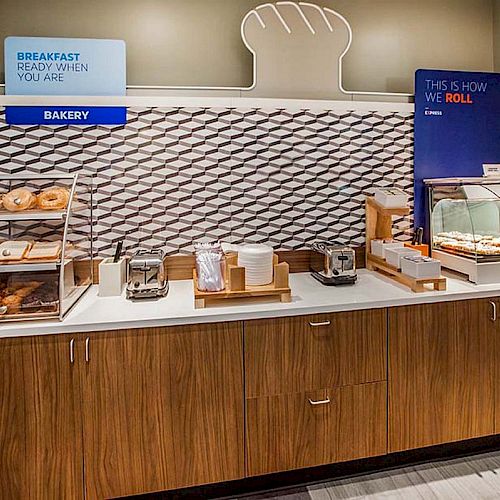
(496, 34)
(197, 42)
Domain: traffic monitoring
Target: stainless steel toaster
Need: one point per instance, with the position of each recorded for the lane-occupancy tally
(333, 264)
(147, 276)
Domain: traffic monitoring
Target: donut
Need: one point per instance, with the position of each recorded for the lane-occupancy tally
(55, 198)
(19, 199)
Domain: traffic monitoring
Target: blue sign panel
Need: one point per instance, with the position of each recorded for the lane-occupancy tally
(457, 127)
(65, 115)
(64, 66)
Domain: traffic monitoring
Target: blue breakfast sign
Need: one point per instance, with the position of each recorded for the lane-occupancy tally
(36, 66)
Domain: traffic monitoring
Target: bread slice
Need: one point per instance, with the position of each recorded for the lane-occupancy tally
(47, 250)
(13, 250)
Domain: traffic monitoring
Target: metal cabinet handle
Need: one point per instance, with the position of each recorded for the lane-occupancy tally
(322, 402)
(494, 311)
(72, 351)
(87, 349)
(321, 323)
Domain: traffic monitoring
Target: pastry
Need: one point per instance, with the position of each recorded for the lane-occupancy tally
(13, 250)
(44, 298)
(44, 250)
(55, 198)
(468, 243)
(12, 303)
(484, 249)
(18, 200)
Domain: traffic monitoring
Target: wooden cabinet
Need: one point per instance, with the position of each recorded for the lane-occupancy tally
(206, 398)
(441, 373)
(163, 409)
(135, 411)
(315, 390)
(494, 313)
(291, 431)
(126, 414)
(309, 353)
(121, 413)
(40, 427)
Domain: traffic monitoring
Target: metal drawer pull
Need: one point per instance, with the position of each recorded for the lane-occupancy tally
(323, 402)
(322, 323)
(494, 308)
(87, 349)
(72, 351)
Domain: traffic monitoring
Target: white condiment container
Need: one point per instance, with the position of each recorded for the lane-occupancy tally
(378, 247)
(258, 263)
(391, 197)
(112, 277)
(393, 255)
(420, 266)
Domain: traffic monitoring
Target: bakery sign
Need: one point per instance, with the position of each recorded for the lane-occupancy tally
(36, 66)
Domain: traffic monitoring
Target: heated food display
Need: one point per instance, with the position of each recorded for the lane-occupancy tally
(465, 226)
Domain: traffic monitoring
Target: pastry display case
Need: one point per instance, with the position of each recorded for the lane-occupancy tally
(465, 226)
(46, 251)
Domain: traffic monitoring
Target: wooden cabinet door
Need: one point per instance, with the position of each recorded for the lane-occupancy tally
(40, 428)
(309, 353)
(291, 431)
(494, 313)
(440, 374)
(163, 409)
(206, 398)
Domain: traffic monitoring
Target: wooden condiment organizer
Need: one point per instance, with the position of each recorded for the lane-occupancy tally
(235, 284)
(379, 227)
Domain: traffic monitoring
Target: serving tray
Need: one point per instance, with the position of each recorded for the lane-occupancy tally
(235, 284)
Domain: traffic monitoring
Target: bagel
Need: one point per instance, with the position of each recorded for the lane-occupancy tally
(18, 200)
(55, 198)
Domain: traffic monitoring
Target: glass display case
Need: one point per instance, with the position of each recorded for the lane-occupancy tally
(465, 226)
(46, 251)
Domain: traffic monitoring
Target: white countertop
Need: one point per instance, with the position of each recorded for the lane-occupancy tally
(93, 313)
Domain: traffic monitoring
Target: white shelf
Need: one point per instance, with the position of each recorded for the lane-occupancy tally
(27, 215)
(33, 215)
(24, 267)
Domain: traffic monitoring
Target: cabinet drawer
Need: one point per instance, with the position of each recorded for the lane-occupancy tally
(288, 431)
(308, 353)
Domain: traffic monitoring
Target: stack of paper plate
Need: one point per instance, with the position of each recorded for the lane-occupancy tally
(258, 263)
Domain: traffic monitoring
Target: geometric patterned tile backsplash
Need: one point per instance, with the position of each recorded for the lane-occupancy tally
(172, 176)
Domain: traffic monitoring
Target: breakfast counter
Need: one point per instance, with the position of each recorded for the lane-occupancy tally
(247, 388)
(372, 291)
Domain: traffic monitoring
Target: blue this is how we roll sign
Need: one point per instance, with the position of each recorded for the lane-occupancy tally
(69, 67)
(457, 128)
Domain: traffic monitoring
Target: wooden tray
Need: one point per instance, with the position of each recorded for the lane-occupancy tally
(379, 226)
(236, 289)
(416, 284)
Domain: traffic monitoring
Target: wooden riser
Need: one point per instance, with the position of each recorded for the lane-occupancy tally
(379, 226)
(417, 285)
(236, 289)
